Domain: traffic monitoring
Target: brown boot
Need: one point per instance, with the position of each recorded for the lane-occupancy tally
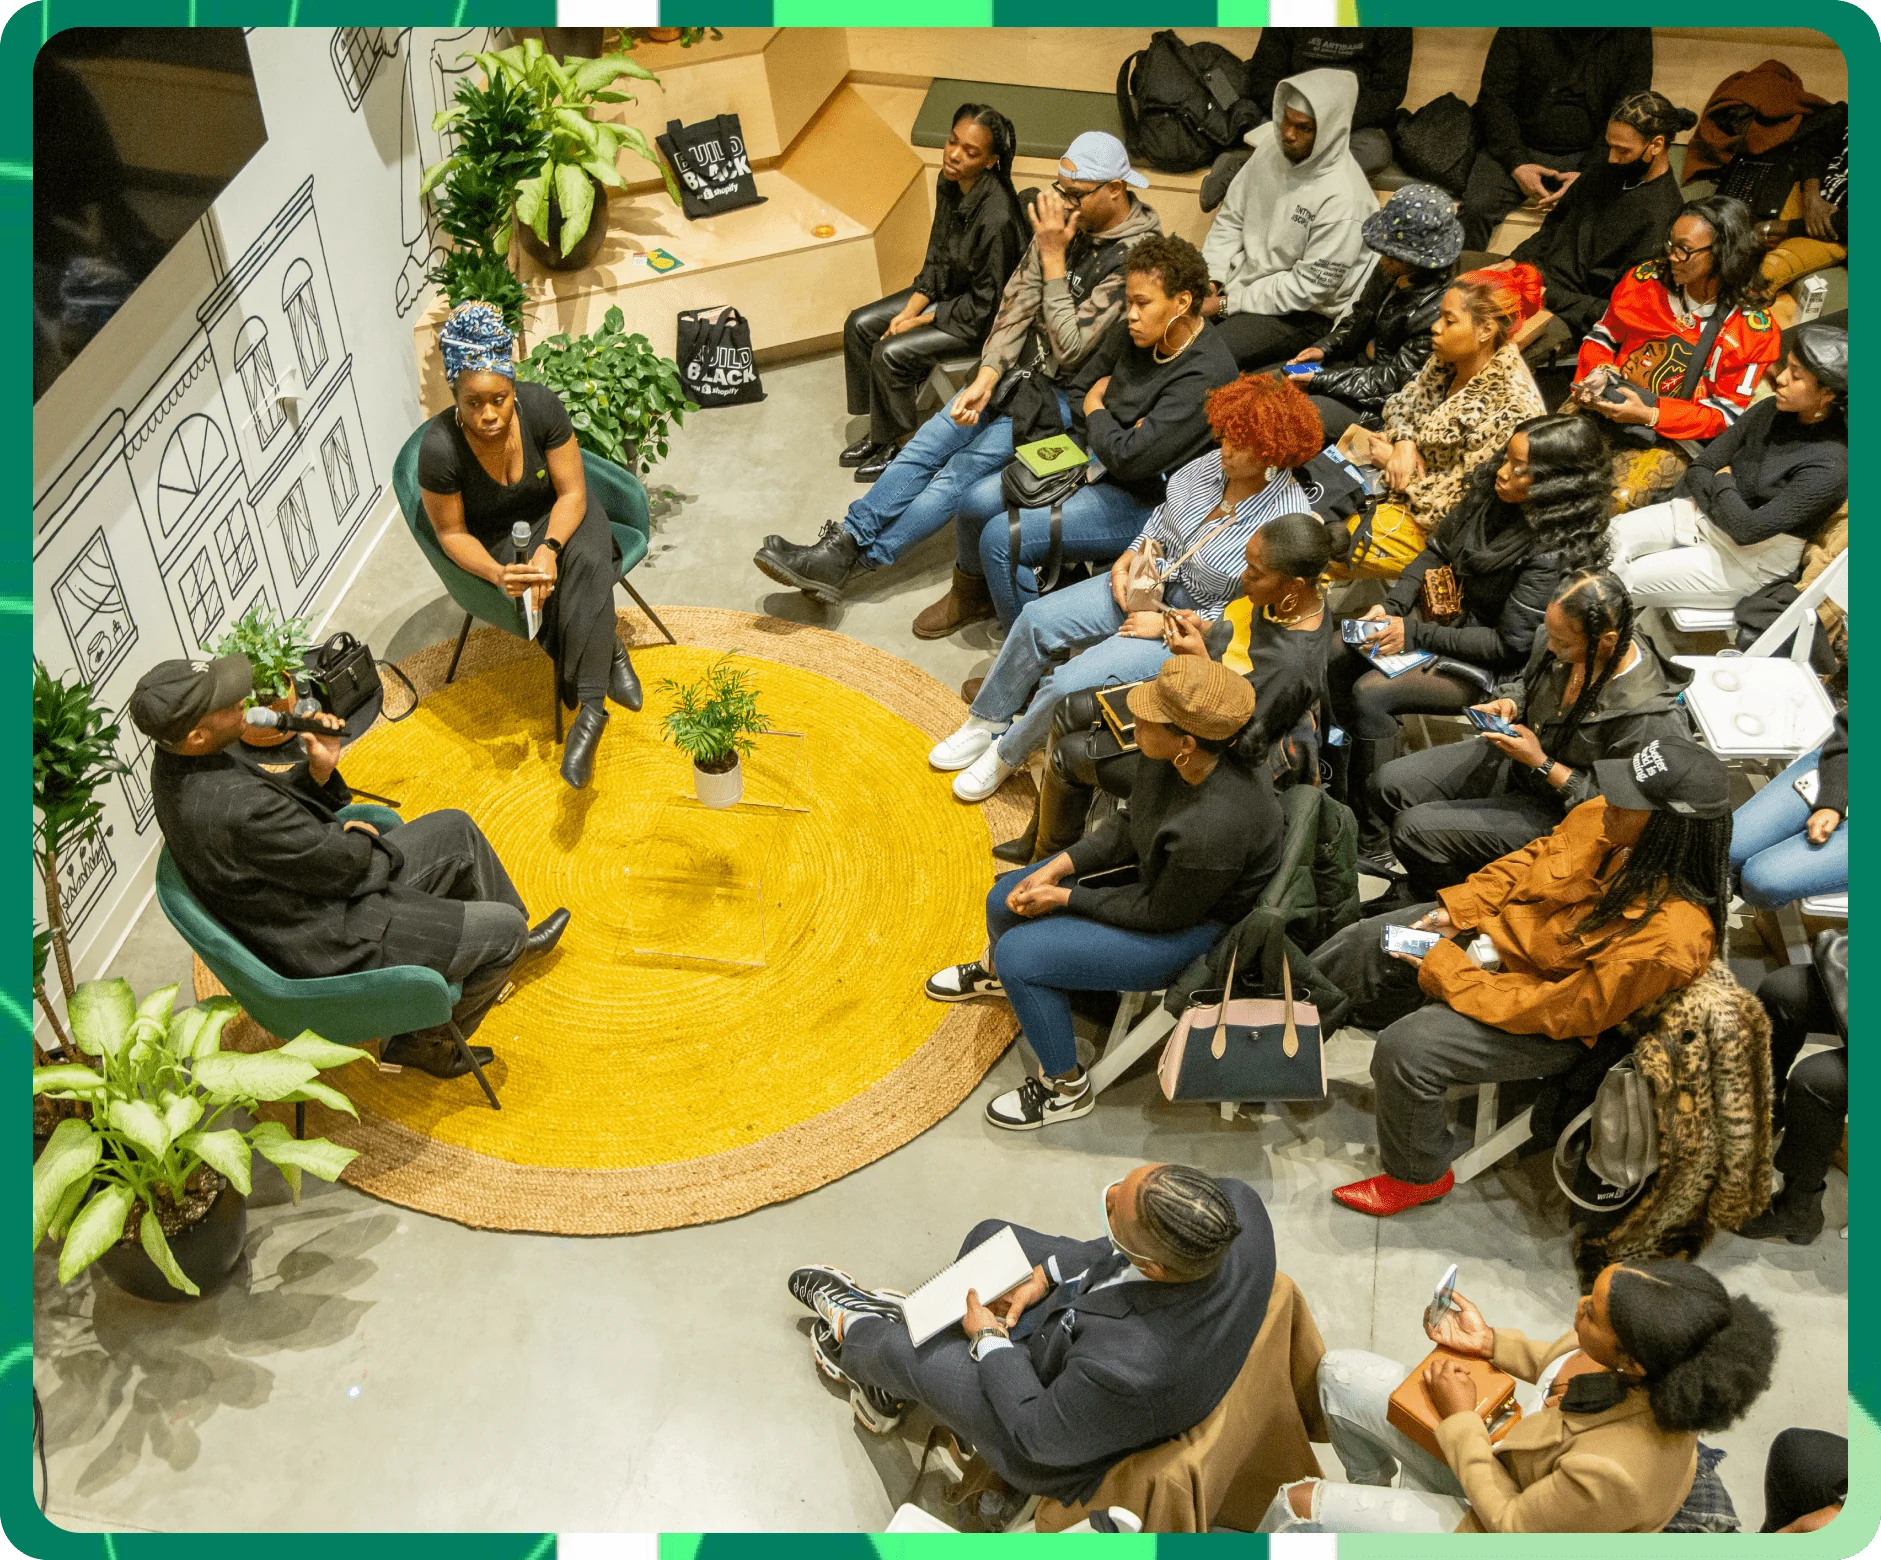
(970, 689)
(967, 601)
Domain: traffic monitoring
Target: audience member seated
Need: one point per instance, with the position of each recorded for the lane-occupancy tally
(1140, 404)
(1611, 1413)
(1195, 543)
(1594, 688)
(1285, 247)
(1614, 217)
(1382, 341)
(1475, 596)
(309, 895)
(1111, 1345)
(1755, 495)
(1790, 840)
(505, 452)
(1805, 1481)
(891, 346)
(1817, 235)
(1622, 903)
(1660, 315)
(1806, 999)
(1545, 96)
(1456, 414)
(1142, 894)
(1066, 293)
(1380, 59)
(1277, 634)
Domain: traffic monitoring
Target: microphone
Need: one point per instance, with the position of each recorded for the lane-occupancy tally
(519, 539)
(275, 720)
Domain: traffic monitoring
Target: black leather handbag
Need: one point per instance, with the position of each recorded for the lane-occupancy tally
(343, 675)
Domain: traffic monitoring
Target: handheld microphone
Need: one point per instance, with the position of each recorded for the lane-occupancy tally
(519, 539)
(275, 720)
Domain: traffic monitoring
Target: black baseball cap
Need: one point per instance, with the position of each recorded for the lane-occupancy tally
(171, 699)
(1669, 774)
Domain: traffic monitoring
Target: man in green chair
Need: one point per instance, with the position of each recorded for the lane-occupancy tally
(311, 895)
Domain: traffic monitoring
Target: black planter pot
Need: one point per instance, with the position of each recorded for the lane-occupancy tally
(207, 1251)
(549, 256)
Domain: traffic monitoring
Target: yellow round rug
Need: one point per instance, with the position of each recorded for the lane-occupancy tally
(734, 1015)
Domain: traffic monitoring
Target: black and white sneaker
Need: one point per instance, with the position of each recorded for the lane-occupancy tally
(1036, 1103)
(959, 982)
(835, 1297)
(876, 1410)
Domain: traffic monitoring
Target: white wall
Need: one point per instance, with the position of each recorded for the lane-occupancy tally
(172, 489)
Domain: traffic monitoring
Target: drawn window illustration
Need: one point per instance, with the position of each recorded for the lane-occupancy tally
(133, 749)
(195, 454)
(256, 368)
(202, 597)
(338, 460)
(236, 548)
(303, 320)
(91, 604)
(297, 532)
(357, 52)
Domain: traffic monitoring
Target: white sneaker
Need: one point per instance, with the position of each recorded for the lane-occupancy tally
(985, 775)
(958, 982)
(1036, 1103)
(966, 744)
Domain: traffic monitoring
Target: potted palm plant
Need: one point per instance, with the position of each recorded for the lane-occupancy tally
(621, 395)
(713, 721)
(153, 1187)
(276, 649)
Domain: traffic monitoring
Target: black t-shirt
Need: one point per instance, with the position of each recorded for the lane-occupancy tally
(447, 464)
(1289, 673)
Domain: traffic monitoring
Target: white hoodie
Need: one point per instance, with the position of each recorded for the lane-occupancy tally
(1287, 236)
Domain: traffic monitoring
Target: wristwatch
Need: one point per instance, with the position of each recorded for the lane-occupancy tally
(553, 545)
(989, 1332)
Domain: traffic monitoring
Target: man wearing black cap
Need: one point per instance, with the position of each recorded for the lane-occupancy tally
(312, 895)
(1622, 903)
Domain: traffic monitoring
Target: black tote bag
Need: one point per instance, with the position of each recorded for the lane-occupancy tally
(714, 352)
(709, 158)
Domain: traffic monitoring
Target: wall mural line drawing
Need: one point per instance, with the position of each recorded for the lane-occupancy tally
(239, 477)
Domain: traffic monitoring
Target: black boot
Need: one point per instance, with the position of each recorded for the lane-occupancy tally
(1792, 1215)
(1369, 755)
(545, 934)
(583, 738)
(880, 458)
(855, 454)
(821, 569)
(623, 682)
(1058, 824)
(439, 1057)
(1022, 851)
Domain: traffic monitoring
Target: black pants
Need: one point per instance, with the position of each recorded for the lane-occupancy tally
(1424, 1048)
(578, 619)
(1815, 1097)
(1368, 704)
(1806, 1470)
(1453, 809)
(447, 854)
(885, 373)
(1489, 196)
(1336, 415)
(1261, 340)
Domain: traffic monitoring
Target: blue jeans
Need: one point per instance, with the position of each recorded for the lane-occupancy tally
(1085, 617)
(1099, 522)
(1038, 960)
(924, 484)
(1769, 848)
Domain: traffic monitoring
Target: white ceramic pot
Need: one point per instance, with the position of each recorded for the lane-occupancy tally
(719, 790)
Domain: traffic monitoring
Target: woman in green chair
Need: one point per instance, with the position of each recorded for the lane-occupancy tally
(505, 453)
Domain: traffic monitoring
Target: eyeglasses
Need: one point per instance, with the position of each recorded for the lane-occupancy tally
(1685, 251)
(1072, 197)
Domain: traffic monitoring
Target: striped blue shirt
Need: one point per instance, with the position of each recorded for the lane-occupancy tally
(1212, 576)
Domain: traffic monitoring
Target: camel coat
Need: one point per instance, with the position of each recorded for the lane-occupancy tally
(1616, 1472)
(1227, 1468)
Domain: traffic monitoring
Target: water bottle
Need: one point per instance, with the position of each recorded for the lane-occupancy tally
(519, 539)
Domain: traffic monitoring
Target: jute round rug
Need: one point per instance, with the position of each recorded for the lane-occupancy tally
(735, 1013)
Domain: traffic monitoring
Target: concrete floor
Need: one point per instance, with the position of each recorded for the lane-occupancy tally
(401, 1372)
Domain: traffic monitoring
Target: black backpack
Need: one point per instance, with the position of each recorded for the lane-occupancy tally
(1438, 143)
(1181, 104)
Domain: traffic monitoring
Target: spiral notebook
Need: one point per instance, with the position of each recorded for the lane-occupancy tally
(990, 1269)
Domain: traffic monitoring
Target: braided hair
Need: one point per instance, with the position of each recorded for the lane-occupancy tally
(1005, 146)
(1706, 1353)
(1652, 114)
(1675, 857)
(1191, 1217)
(1599, 605)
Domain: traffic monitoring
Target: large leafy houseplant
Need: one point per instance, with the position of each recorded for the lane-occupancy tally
(621, 395)
(714, 719)
(276, 648)
(158, 1106)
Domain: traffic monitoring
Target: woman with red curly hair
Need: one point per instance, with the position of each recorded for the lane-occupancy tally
(1264, 428)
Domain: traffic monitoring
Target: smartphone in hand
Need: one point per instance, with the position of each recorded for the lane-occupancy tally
(1407, 939)
(1358, 631)
(1441, 1301)
(1483, 721)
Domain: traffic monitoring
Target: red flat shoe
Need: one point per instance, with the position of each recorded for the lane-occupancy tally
(1384, 1195)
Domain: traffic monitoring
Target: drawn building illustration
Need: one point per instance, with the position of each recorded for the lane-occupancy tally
(240, 477)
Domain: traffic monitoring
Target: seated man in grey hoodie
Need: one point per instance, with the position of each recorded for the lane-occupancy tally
(1285, 249)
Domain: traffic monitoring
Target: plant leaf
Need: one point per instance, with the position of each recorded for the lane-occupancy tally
(158, 1005)
(150, 1232)
(317, 1156)
(225, 1151)
(68, 1077)
(327, 1095)
(100, 1014)
(309, 1047)
(263, 1075)
(139, 1121)
(98, 1227)
(67, 1160)
(575, 195)
(180, 1113)
(68, 1205)
(532, 203)
(605, 170)
(217, 1013)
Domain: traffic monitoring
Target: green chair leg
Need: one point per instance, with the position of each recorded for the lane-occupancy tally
(462, 634)
(463, 1047)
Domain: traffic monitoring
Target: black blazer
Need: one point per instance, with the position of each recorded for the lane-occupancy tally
(267, 857)
(1092, 1378)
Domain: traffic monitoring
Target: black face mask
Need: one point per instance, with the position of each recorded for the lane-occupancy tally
(1633, 174)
